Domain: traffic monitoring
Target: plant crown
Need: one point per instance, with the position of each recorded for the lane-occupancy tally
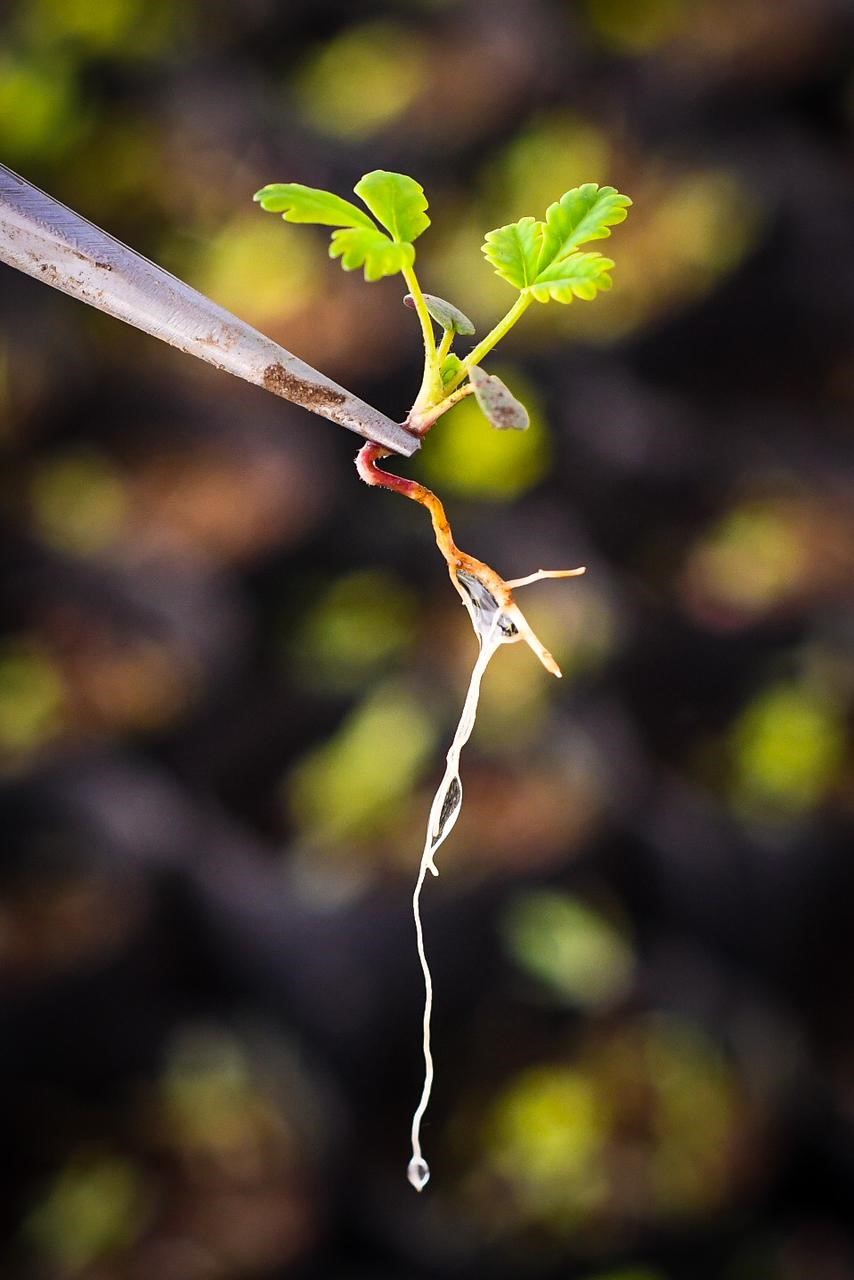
(541, 259)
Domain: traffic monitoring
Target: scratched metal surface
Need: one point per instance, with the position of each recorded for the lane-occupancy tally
(50, 242)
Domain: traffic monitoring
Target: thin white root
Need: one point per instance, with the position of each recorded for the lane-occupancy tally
(506, 625)
(418, 1170)
(545, 573)
(444, 812)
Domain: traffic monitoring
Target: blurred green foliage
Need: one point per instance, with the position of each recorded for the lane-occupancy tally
(359, 626)
(636, 26)
(352, 785)
(640, 1122)
(31, 697)
(97, 1205)
(788, 745)
(79, 502)
(224, 664)
(570, 947)
(330, 86)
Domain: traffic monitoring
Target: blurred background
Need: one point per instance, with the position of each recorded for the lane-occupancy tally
(229, 672)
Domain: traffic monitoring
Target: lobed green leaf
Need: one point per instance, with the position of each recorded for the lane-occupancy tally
(541, 258)
(297, 203)
(514, 251)
(583, 214)
(397, 201)
(497, 402)
(580, 275)
(372, 249)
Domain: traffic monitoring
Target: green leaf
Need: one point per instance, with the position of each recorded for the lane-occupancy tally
(371, 248)
(297, 203)
(514, 251)
(582, 214)
(497, 402)
(397, 201)
(444, 313)
(581, 275)
(449, 368)
(541, 258)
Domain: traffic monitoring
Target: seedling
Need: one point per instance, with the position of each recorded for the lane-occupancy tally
(543, 262)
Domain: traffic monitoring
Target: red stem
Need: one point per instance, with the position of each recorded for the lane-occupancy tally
(366, 465)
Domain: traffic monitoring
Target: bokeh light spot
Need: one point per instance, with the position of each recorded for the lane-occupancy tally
(39, 108)
(641, 1126)
(209, 1100)
(361, 80)
(749, 562)
(361, 623)
(354, 784)
(96, 1205)
(569, 947)
(545, 1136)
(636, 26)
(259, 269)
(787, 747)
(79, 502)
(129, 28)
(31, 697)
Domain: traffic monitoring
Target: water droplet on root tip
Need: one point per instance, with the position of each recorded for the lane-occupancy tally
(418, 1172)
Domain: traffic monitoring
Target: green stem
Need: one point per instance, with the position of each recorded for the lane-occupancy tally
(421, 421)
(445, 345)
(520, 306)
(431, 367)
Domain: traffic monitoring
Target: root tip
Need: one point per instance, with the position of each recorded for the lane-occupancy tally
(418, 1173)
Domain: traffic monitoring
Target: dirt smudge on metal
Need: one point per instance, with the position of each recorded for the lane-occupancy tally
(318, 398)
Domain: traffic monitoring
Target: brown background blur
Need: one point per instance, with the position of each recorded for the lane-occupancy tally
(229, 672)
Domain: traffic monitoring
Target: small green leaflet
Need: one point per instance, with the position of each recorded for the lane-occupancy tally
(580, 275)
(581, 215)
(446, 315)
(497, 402)
(297, 203)
(514, 251)
(396, 200)
(357, 247)
(541, 257)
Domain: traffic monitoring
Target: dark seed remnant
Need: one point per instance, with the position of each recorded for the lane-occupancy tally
(291, 387)
(451, 802)
(480, 595)
(486, 606)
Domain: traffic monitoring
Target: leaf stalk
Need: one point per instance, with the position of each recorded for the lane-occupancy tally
(431, 381)
(500, 330)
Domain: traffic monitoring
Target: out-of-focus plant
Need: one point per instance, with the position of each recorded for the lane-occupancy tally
(542, 260)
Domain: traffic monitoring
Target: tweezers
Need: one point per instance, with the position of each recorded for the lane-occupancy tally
(50, 242)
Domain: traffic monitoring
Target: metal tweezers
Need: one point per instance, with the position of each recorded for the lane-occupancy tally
(44, 239)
